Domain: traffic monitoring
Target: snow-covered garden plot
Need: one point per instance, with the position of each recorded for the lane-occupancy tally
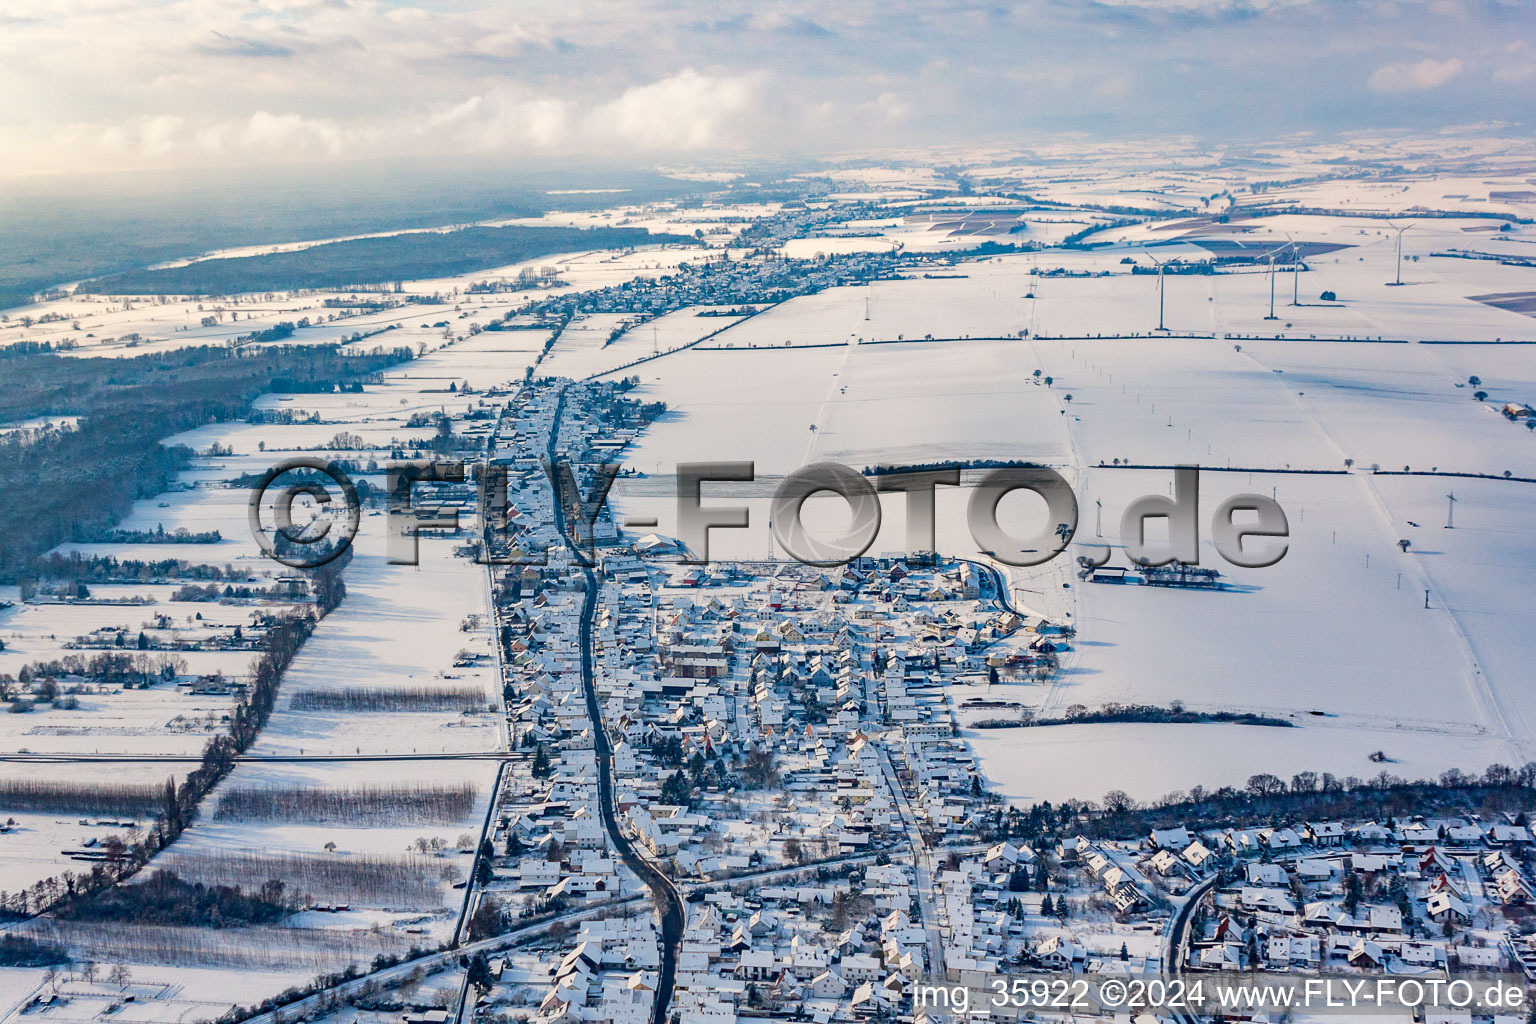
(579, 350)
(1506, 372)
(579, 270)
(897, 403)
(489, 359)
(723, 403)
(1433, 191)
(269, 949)
(909, 403)
(823, 245)
(161, 720)
(1432, 302)
(1121, 304)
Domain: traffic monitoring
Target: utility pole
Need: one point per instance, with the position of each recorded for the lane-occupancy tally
(1450, 511)
(1098, 524)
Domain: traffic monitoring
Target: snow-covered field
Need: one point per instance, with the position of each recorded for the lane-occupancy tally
(400, 628)
(1336, 638)
(1338, 627)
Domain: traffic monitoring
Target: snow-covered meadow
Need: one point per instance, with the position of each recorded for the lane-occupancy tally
(1335, 637)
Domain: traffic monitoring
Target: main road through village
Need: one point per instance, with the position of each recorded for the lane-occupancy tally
(669, 903)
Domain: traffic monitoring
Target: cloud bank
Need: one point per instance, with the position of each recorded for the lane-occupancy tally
(100, 84)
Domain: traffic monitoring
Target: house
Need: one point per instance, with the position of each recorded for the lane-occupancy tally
(1282, 838)
(1367, 954)
(1222, 956)
(758, 965)
(1285, 951)
(1420, 954)
(1266, 900)
(1446, 906)
(1380, 918)
(859, 968)
(1059, 954)
(1264, 874)
(1313, 870)
(1324, 833)
(1512, 886)
(1478, 957)
(1171, 838)
(1372, 832)
(1374, 863)
(1466, 834)
(1505, 835)
(1242, 840)
(1196, 854)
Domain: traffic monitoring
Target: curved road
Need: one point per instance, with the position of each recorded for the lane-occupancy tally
(1177, 940)
(668, 903)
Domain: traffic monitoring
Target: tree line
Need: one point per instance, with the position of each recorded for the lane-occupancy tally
(73, 481)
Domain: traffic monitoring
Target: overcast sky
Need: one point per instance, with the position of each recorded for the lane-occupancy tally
(103, 84)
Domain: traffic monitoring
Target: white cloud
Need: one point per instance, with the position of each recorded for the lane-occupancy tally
(1517, 65)
(109, 84)
(893, 106)
(1426, 74)
(686, 111)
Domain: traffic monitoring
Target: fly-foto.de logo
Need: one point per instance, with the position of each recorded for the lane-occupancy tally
(1247, 530)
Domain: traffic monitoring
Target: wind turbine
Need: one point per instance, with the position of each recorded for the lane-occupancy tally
(1400, 231)
(1295, 271)
(1271, 256)
(1160, 267)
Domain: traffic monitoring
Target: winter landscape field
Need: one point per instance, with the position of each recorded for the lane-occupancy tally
(766, 514)
(425, 750)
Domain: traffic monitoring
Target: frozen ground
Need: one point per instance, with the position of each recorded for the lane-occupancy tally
(1083, 762)
(1338, 627)
(401, 626)
(1322, 631)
